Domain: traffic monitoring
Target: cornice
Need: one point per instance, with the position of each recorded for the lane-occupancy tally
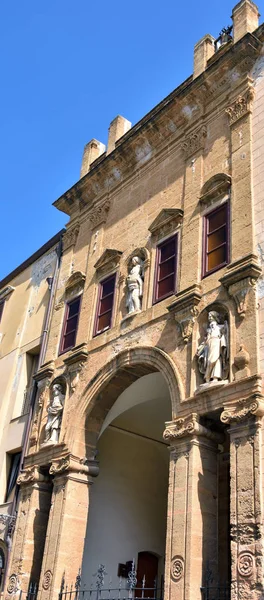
(189, 426)
(170, 119)
(236, 412)
(247, 266)
(46, 371)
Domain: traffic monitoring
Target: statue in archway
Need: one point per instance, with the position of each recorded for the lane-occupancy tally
(55, 409)
(134, 282)
(212, 353)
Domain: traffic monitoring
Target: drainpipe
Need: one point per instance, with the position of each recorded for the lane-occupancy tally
(52, 286)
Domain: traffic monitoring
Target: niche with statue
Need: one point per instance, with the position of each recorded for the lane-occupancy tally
(212, 354)
(55, 411)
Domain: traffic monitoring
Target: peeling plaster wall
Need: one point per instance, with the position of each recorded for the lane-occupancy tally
(20, 332)
(258, 189)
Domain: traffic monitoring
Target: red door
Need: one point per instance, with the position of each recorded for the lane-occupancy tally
(147, 571)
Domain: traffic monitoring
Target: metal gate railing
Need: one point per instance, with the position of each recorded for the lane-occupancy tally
(128, 589)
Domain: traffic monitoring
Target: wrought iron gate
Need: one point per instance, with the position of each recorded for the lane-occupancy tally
(102, 588)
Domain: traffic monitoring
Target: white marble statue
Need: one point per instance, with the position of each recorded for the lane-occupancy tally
(52, 427)
(213, 351)
(134, 283)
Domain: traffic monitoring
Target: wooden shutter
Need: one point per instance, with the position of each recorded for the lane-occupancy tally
(70, 325)
(216, 238)
(104, 312)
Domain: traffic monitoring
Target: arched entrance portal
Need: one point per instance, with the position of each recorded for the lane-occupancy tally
(128, 500)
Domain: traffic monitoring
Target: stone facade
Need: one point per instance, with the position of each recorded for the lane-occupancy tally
(193, 153)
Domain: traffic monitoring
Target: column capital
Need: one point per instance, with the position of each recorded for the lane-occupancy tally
(187, 426)
(73, 465)
(238, 412)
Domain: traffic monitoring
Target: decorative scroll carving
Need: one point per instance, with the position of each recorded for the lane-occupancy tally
(177, 568)
(70, 237)
(245, 564)
(13, 585)
(75, 464)
(186, 426)
(99, 214)
(166, 222)
(239, 278)
(109, 261)
(240, 291)
(28, 475)
(244, 408)
(74, 364)
(185, 310)
(47, 578)
(194, 141)
(241, 106)
(241, 361)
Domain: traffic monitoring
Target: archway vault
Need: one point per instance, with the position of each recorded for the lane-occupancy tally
(109, 382)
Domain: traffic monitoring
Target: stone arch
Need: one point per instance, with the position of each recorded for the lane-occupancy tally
(109, 382)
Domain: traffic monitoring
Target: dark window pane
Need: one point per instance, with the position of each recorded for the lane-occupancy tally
(74, 308)
(106, 304)
(167, 250)
(69, 340)
(71, 324)
(166, 286)
(217, 238)
(216, 258)
(108, 286)
(1, 309)
(104, 321)
(217, 219)
(167, 268)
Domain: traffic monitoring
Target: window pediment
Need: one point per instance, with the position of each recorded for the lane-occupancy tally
(109, 260)
(166, 221)
(77, 279)
(216, 186)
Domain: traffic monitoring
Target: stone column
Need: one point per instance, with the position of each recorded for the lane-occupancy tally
(191, 547)
(246, 503)
(67, 524)
(29, 537)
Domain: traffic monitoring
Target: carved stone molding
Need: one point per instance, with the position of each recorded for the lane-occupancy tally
(109, 261)
(70, 237)
(30, 475)
(194, 141)
(177, 568)
(74, 464)
(239, 279)
(13, 584)
(74, 364)
(76, 280)
(246, 534)
(166, 222)
(245, 563)
(46, 371)
(98, 214)
(243, 409)
(6, 292)
(188, 426)
(217, 186)
(185, 310)
(241, 106)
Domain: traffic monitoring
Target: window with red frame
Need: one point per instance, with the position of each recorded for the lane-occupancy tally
(70, 324)
(165, 272)
(103, 319)
(216, 236)
(1, 309)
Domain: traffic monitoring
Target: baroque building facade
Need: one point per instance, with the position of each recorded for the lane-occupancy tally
(145, 453)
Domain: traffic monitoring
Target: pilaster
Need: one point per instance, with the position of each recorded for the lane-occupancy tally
(246, 503)
(191, 548)
(67, 524)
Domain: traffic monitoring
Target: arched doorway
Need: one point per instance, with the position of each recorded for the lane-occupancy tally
(126, 528)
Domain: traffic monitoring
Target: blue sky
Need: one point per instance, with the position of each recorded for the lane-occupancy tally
(67, 69)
